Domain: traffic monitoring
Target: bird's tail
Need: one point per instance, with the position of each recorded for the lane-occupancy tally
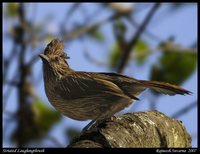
(165, 88)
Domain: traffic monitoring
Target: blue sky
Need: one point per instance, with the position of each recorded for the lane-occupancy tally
(181, 24)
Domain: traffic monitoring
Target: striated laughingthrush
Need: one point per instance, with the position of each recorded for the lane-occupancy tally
(90, 95)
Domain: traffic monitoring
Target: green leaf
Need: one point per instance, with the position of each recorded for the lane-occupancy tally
(12, 9)
(96, 34)
(141, 51)
(115, 55)
(174, 67)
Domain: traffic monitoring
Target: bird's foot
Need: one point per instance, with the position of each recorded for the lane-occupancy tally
(94, 123)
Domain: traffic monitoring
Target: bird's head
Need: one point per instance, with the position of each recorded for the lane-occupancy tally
(54, 56)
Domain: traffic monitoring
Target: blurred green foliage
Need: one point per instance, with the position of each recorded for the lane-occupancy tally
(45, 116)
(119, 26)
(114, 56)
(12, 9)
(42, 119)
(172, 63)
(141, 51)
(96, 34)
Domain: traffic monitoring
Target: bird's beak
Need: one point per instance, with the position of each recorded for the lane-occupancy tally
(44, 57)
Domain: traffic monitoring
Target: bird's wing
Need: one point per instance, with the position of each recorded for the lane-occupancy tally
(130, 86)
(81, 84)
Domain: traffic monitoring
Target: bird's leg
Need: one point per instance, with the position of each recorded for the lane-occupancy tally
(88, 126)
(95, 123)
(108, 114)
(113, 118)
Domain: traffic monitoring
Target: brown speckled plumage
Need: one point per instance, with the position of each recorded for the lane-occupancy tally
(90, 95)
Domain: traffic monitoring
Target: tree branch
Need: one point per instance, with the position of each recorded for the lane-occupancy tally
(127, 51)
(148, 33)
(141, 129)
(87, 28)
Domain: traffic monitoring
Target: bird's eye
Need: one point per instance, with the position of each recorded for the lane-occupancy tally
(56, 59)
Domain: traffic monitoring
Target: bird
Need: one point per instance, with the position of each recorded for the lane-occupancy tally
(91, 95)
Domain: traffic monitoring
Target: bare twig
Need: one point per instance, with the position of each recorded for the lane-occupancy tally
(9, 60)
(119, 35)
(11, 118)
(148, 33)
(93, 60)
(97, 12)
(135, 38)
(33, 60)
(86, 28)
(73, 8)
(184, 110)
(68, 14)
(9, 90)
(11, 82)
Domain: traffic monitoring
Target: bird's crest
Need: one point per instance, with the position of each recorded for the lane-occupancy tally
(55, 47)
